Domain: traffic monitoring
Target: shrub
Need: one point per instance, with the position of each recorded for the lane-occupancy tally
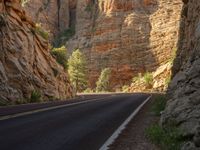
(64, 36)
(61, 55)
(159, 105)
(23, 2)
(148, 79)
(136, 79)
(35, 96)
(125, 88)
(103, 81)
(88, 90)
(167, 138)
(21, 101)
(167, 80)
(41, 31)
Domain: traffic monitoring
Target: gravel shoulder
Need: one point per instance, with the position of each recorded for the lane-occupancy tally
(133, 137)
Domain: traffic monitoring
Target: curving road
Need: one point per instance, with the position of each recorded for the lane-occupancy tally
(80, 127)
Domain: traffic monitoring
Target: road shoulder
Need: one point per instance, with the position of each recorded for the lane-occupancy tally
(133, 137)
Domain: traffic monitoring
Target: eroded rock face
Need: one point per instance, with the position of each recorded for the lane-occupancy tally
(25, 62)
(52, 14)
(130, 37)
(184, 105)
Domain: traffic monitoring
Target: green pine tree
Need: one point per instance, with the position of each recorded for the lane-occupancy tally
(77, 70)
(103, 81)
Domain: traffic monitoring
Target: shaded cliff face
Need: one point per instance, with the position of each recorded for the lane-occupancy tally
(130, 37)
(184, 105)
(25, 62)
(52, 14)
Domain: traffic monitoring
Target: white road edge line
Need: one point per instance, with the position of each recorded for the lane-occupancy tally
(49, 108)
(115, 135)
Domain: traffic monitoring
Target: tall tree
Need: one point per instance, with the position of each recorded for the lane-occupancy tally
(103, 81)
(77, 70)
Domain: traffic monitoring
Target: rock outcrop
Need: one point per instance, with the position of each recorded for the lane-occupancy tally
(130, 37)
(25, 62)
(184, 105)
(54, 15)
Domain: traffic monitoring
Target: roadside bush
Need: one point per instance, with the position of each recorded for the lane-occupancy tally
(35, 96)
(61, 55)
(166, 138)
(125, 88)
(103, 81)
(148, 79)
(159, 105)
(88, 90)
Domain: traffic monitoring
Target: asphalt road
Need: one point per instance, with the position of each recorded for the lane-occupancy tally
(80, 127)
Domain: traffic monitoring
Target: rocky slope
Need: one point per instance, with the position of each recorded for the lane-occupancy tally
(183, 108)
(25, 62)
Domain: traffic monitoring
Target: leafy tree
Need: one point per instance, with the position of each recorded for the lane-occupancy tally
(103, 81)
(61, 55)
(77, 70)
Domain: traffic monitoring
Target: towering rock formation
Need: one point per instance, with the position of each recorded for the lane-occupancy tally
(129, 36)
(25, 62)
(184, 105)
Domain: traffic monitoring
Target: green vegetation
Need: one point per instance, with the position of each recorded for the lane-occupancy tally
(64, 36)
(125, 88)
(88, 90)
(148, 78)
(174, 51)
(88, 8)
(23, 2)
(159, 105)
(169, 138)
(77, 70)
(61, 55)
(137, 78)
(3, 103)
(38, 29)
(167, 81)
(103, 81)
(35, 96)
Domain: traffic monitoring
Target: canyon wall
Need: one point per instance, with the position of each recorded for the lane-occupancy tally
(25, 62)
(130, 37)
(52, 14)
(183, 108)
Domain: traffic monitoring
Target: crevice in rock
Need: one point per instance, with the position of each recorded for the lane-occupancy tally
(58, 5)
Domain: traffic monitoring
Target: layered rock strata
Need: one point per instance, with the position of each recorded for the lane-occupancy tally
(25, 62)
(130, 37)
